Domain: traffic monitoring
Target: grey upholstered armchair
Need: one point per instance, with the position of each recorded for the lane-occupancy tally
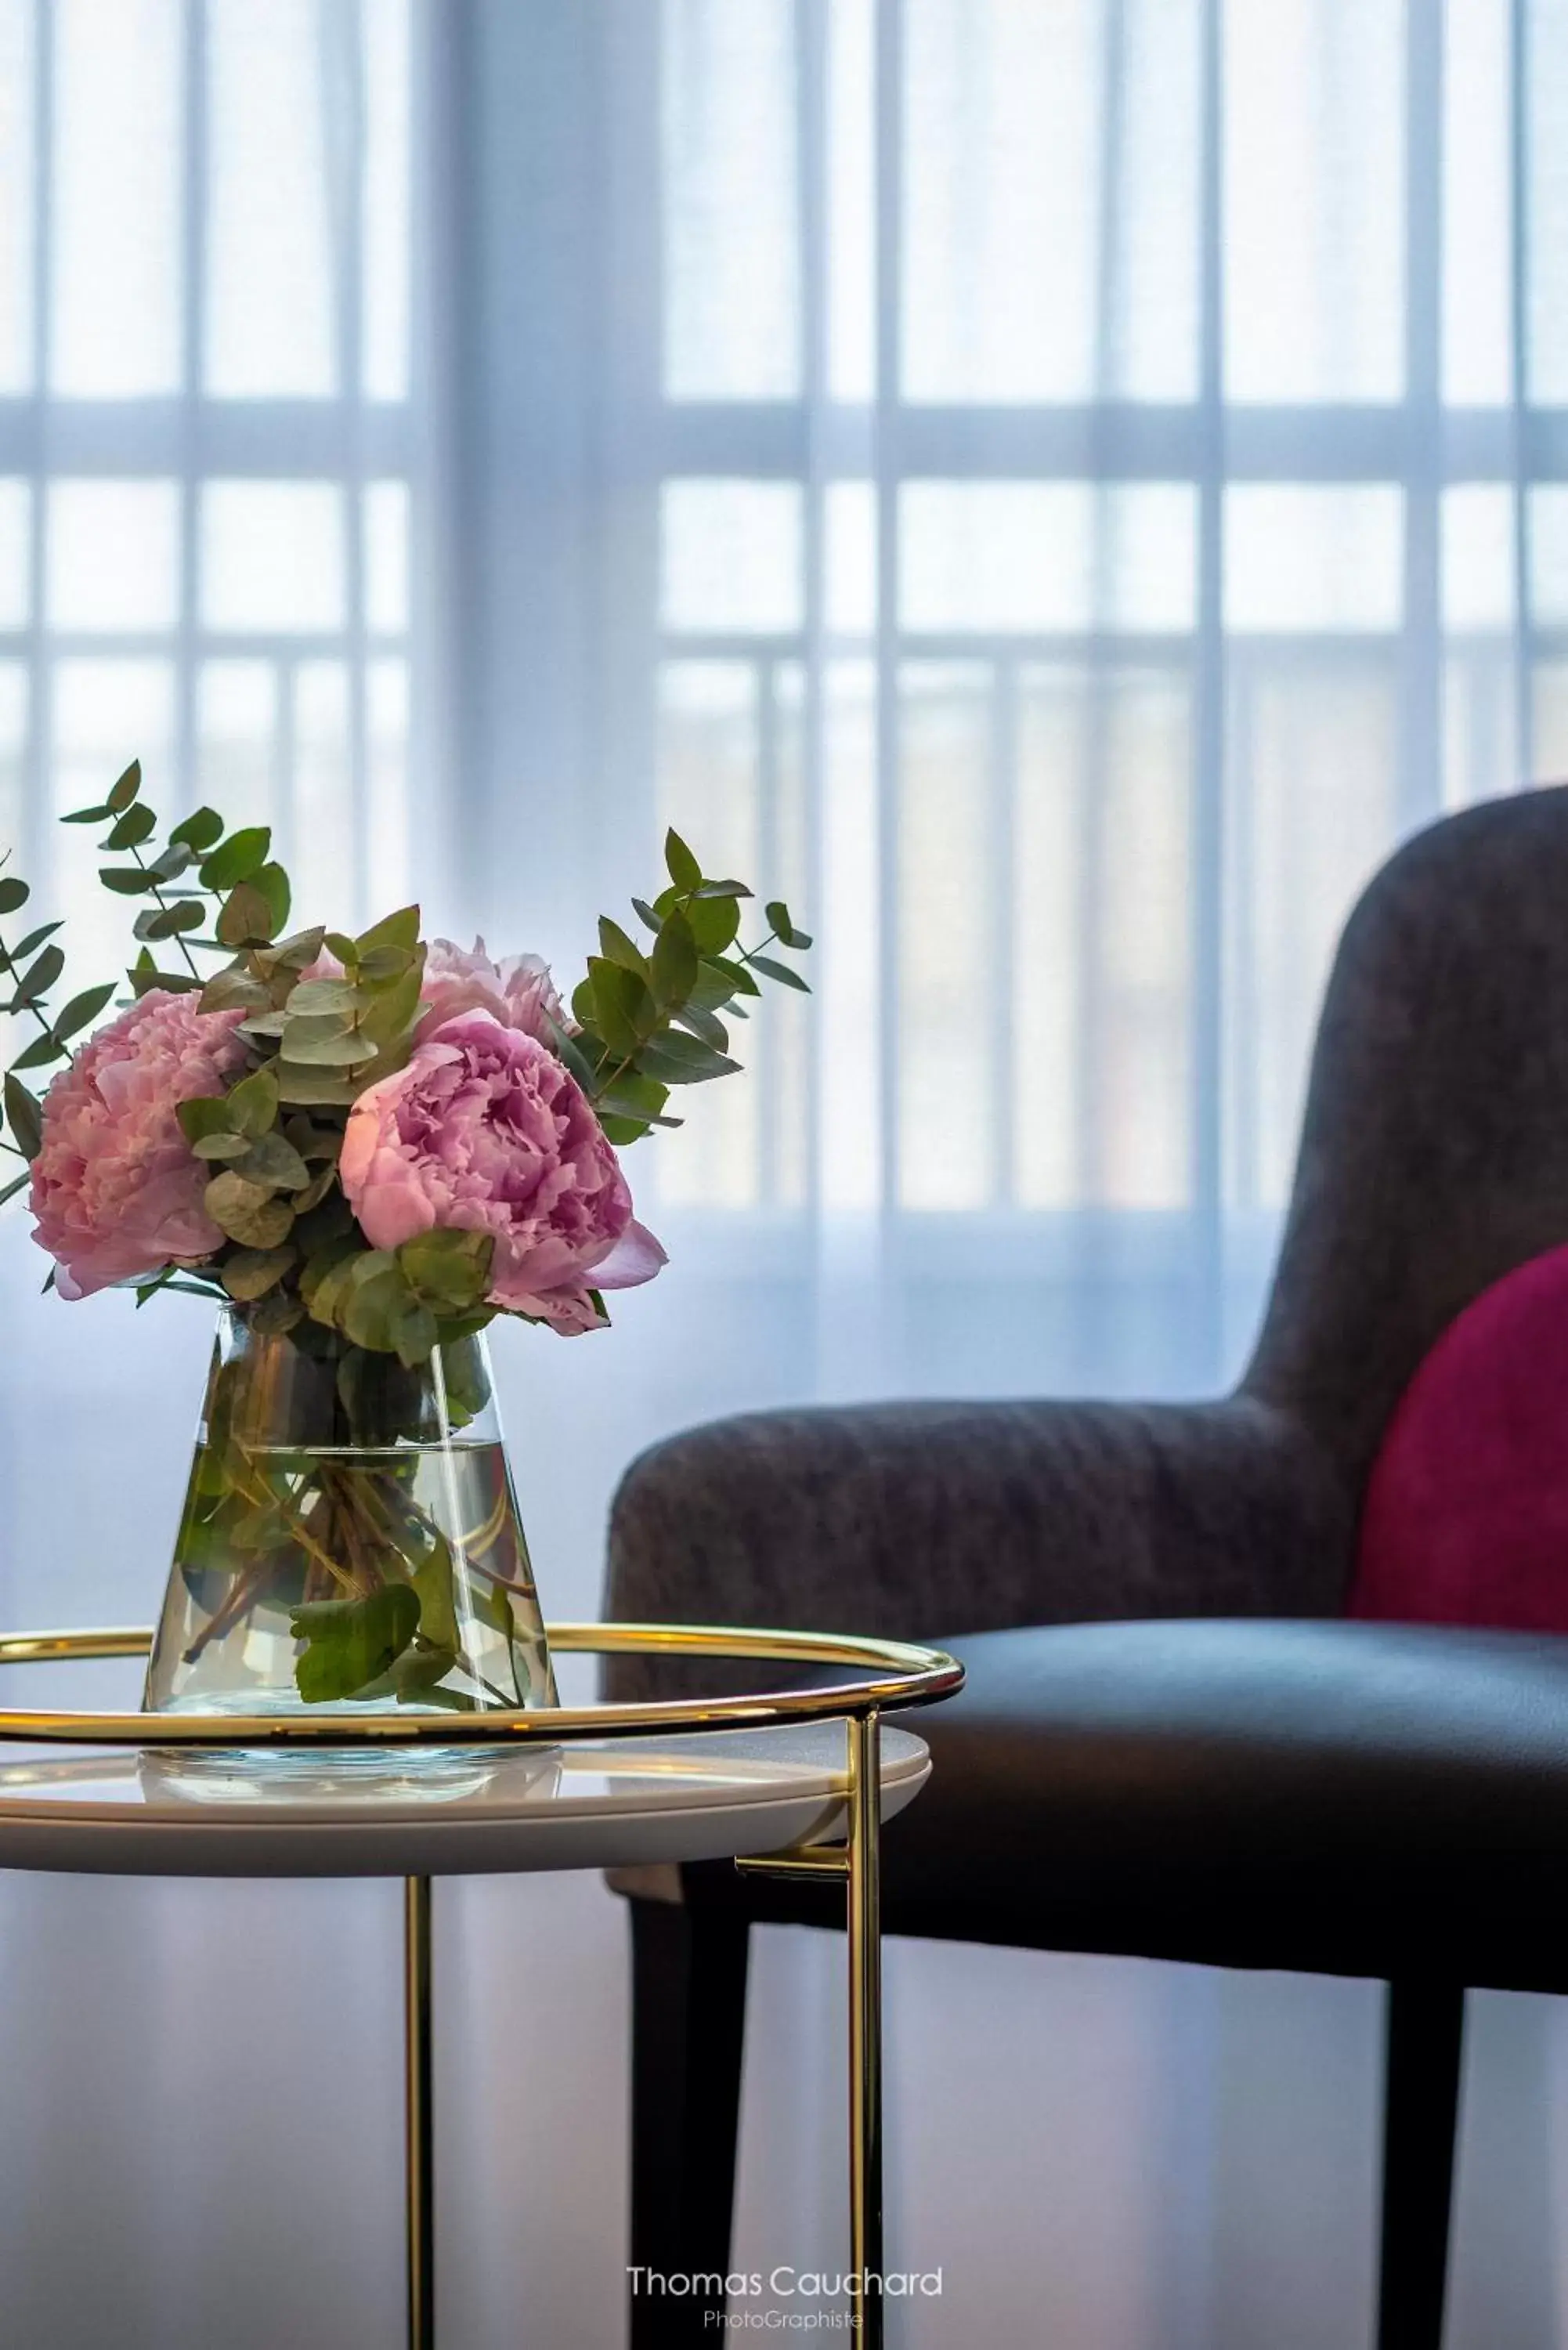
(1434, 1158)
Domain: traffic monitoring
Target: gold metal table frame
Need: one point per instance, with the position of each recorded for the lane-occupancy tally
(888, 1673)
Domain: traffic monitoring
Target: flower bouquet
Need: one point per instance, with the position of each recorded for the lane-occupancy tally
(361, 1150)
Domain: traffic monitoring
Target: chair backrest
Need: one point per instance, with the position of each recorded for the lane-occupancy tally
(1434, 1152)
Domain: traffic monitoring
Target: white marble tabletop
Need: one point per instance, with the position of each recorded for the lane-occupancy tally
(460, 1812)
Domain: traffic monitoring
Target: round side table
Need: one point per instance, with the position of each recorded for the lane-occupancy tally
(795, 1779)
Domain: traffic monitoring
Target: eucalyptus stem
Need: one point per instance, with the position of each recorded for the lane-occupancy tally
(179, 936)
(263, 1495)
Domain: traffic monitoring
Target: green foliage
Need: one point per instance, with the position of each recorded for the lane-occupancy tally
(647, 1022)
(349, 1643)
(24, 1116)
(242, 855)
(406, 1302)
(650, 1014)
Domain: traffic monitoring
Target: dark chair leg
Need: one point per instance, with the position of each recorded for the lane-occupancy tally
(687, 2039)
(1426, 2042)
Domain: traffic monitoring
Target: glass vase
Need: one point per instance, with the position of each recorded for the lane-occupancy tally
(349, 1539)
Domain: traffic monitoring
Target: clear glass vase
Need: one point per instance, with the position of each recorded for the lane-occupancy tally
(349, 1538)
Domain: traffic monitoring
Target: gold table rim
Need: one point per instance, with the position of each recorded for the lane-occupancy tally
(895, 1673)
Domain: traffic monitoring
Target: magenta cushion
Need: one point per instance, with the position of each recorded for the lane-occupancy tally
(1466, 1516)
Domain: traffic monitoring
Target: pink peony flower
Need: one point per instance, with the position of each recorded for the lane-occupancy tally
(485, 1130)
(518, 992)
(116, 1189)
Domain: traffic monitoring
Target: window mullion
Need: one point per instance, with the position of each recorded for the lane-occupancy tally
(194, 259)
(37, 844)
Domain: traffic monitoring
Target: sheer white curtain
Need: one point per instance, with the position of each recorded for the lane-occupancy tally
(1053, 488)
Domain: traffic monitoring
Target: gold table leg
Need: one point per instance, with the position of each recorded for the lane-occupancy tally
(865, 2031)
(856, 1862)
(419, 2146)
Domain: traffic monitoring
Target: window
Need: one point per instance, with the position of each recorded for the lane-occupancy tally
(1087, 450)
(207, 441)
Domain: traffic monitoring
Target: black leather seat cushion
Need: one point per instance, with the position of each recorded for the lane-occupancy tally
(1339, 1798)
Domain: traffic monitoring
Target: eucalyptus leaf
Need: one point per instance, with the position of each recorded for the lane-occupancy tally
(433, 1579)
(714, 922)
(127, 880)
(245, 918)
(448, 1269)
(316, 1190)
(319, 1046)
(324, 1281)
(23, 1116)
(169, 922)
(585, 1004)
(200, 1115)
(199, 831)
(570, 1053)
(243, 854)
(615, 947)
(674, 967)
(254, 1271)
(40, 978)
(30, 944)
(351, 1642)
(317, 996)
(634, 1096)
(414, 1332)
(627, 1009)
(40, 1053)
(314, 1088)
(680, 864)
(393, 1011)
(175, 983)
(82, 1010)
(271, 882)
(248, 1212)
(398, 930)
(125, 789)
(705, 1025)
(678, 1060)
(737, 975)
(295, 952)
(274, 1160)
(778, 971)
(713, 988)
(373, 1302)
(252, 1104)
(623, 1131)
(234, 990)
(137, 825)
(276, 1313)
(383, 965)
